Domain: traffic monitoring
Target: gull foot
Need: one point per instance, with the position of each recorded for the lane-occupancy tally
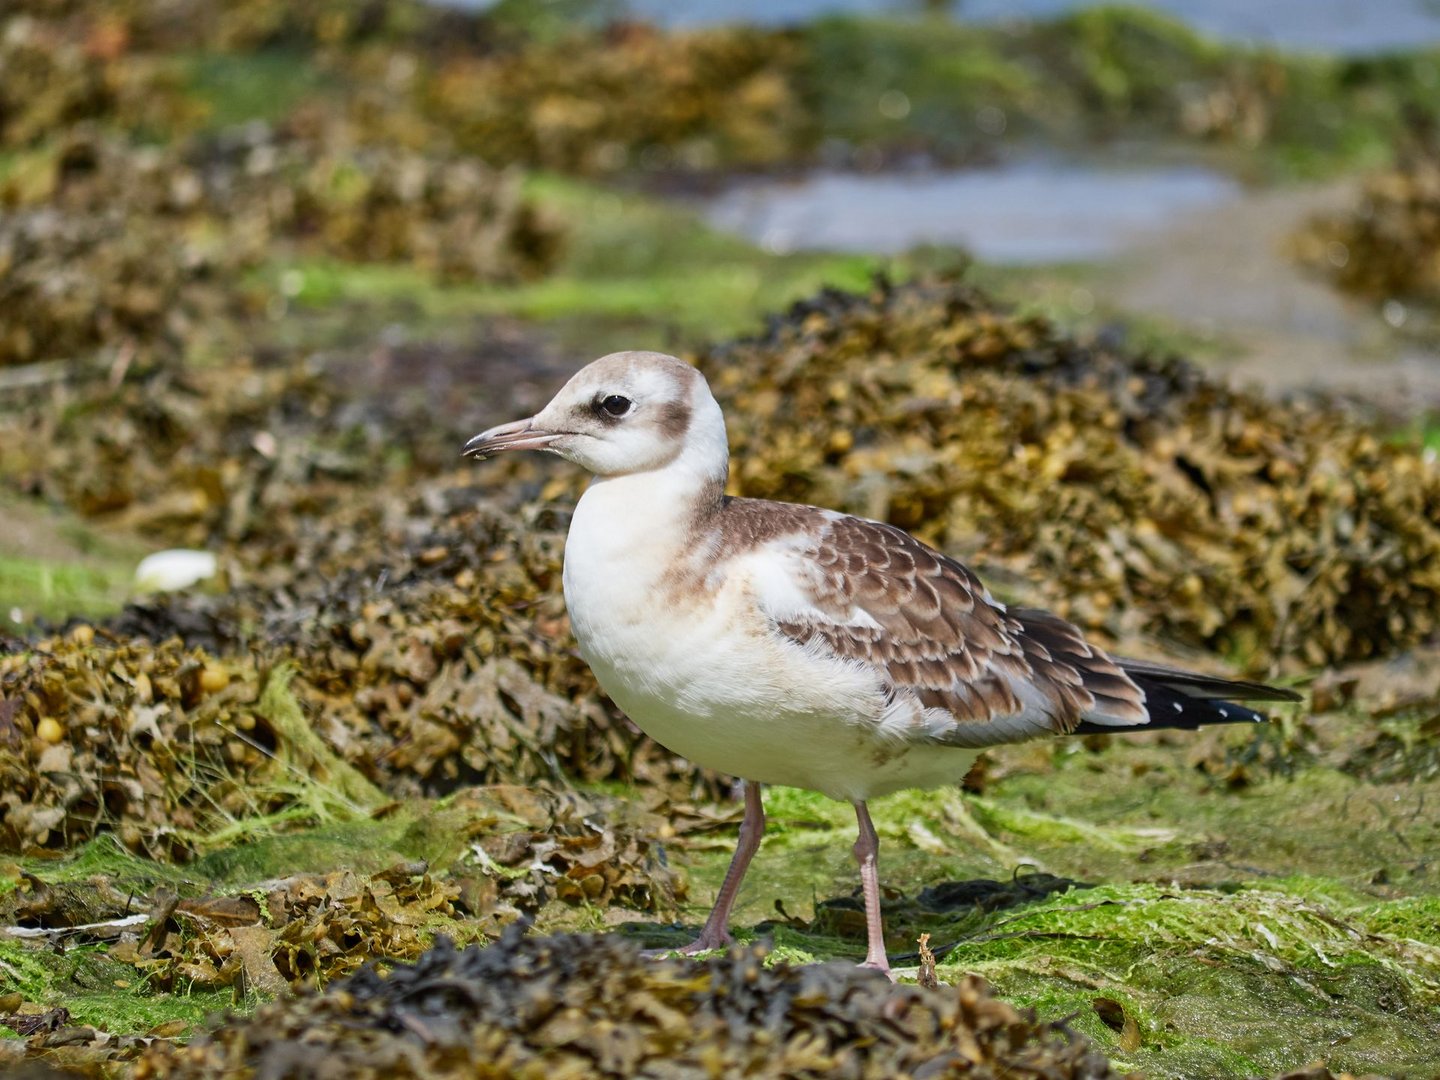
(704, 943)
(878, 965)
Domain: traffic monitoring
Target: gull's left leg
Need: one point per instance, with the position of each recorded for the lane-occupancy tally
(716, 932)
(867, 847)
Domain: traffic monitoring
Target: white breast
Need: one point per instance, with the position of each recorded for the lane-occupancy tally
(699, 670)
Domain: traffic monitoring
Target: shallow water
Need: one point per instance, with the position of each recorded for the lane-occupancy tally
(1345, 26)
(1021, 213)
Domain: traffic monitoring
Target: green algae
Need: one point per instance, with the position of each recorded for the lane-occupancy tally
(101, 856)
(104, 993)
(364, 846)
(44, 589)
(234, 88)
(1357, 833)
(1239, 980)
(1232, 962)
(433, 832)
(345, 792)
(1221, 983)
(54, 566)
(1129, 811)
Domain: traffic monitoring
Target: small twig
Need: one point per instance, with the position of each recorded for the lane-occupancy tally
(926, 976)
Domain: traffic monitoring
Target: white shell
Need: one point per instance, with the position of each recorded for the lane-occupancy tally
(176, 568)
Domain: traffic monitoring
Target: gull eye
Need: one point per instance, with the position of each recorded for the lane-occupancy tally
(616, 405)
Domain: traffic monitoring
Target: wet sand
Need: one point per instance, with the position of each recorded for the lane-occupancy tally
(1224, 271)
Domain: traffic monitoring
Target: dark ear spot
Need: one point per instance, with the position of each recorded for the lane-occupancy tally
(674, 419)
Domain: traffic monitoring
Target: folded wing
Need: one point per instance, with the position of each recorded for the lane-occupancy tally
(958, 667)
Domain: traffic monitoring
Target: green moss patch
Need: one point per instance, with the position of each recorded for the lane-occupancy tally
(53, 565)
(1220, 983)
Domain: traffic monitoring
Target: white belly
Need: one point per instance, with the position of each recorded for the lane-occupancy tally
(704, 676)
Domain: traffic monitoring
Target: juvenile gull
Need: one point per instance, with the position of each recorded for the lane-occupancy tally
(786, 644)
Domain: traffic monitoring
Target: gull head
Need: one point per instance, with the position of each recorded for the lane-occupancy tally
(629, 412)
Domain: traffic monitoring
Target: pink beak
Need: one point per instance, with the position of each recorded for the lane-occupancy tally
(518, 435)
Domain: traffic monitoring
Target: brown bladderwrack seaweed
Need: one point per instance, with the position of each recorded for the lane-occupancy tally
(165, 745)
(594, 1006)
(522, 848)
(1386, 247)
(424, 623)
(236, 25)
(57, 72)
(632, 97)
(424, 619)
(510, 852)
(125, 246)
(148, 740)
(72, 286)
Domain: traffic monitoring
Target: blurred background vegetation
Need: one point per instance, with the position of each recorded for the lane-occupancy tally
(1134, 308)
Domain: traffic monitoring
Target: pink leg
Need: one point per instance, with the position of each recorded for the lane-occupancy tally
(716, 933)
(867, 847)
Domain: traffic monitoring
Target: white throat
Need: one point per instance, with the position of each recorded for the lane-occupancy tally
(632, 520)
(630, 530)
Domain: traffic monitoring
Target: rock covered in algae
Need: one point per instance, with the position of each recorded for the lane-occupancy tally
(1139, 496)
(580, 1006)
(509, 851)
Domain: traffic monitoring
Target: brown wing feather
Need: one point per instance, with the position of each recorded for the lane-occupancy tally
(931, 628)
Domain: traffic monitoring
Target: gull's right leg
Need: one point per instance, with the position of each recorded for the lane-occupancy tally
(867, 849)
(716, 933)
